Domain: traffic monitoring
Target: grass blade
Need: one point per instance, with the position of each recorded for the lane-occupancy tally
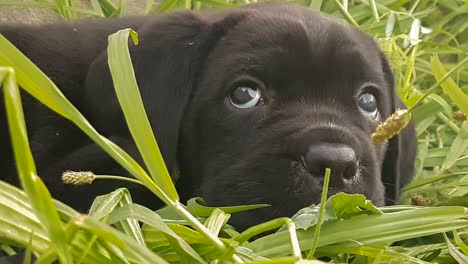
(97, 7)
(166, 5)
(346, 14)
(463, 247)
(126, 87)
(216, 221)
(375, 12)
(323, 201)
(152, 219)
(449, 86)
(370, 229)
(459, 146)
(316, 4)
(129, 246)
(105, 204)
(197, 206)
(108, 8)
(41, 199)
(456, 254)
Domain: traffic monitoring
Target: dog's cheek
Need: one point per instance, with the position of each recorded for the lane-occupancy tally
(380, 150)
(244, 179)
(371, 158)
(371, 186)
(375, 190)
(260, 180)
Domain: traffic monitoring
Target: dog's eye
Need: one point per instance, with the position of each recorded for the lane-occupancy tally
(245, 97)
(367, 105)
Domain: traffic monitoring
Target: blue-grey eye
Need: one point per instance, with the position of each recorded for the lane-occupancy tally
(367, 104)
(245, 97)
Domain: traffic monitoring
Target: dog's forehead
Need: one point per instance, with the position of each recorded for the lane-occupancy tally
(296, 30)
(301, 46)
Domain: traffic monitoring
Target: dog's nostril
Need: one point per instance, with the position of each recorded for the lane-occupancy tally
(340, 159)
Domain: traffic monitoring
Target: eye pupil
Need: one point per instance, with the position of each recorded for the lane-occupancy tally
(367, 105)
(242, 95)
(367, 102)
(245, 97)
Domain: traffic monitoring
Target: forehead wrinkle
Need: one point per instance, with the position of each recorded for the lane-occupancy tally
(244, 62)
(260, 31)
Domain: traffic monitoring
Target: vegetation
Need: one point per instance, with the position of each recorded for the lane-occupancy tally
(426, 42)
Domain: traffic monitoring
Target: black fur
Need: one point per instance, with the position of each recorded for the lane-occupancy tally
(310, 68)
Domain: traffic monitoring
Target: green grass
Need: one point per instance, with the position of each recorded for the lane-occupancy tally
(429, 225)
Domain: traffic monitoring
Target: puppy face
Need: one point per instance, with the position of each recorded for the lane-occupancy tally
(281, 97)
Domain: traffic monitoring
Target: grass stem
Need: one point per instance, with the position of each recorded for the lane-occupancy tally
(121, 178)
(437, 84)
(271, 225)
(346, 14)
(198, 226)
(375, 12)
(323, 201)
(448, 122)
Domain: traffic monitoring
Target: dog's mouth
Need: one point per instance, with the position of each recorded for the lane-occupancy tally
(303, 181)
(348, 178)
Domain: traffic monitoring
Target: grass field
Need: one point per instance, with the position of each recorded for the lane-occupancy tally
(426, 42)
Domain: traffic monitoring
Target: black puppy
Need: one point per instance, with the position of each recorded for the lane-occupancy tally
(251, 105)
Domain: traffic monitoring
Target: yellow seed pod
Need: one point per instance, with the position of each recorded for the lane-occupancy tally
(78, 177)
(392, 126)
(459, 116)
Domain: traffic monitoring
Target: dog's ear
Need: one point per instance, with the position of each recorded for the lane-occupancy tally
(167, 62)
(398, 166)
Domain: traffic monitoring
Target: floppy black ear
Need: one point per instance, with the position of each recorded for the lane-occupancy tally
(398, 166)
(171, 52)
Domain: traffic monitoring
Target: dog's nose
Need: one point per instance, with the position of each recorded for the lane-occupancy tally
(341, 159)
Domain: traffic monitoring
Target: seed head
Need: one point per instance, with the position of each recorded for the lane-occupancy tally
(420, 200)
(459, 116)
(392, 126)
(78, 177)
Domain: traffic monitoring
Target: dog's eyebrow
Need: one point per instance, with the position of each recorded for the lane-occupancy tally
(367, 84)
(255, 69)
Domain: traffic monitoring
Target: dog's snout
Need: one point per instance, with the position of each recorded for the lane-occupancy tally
(341, 159)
